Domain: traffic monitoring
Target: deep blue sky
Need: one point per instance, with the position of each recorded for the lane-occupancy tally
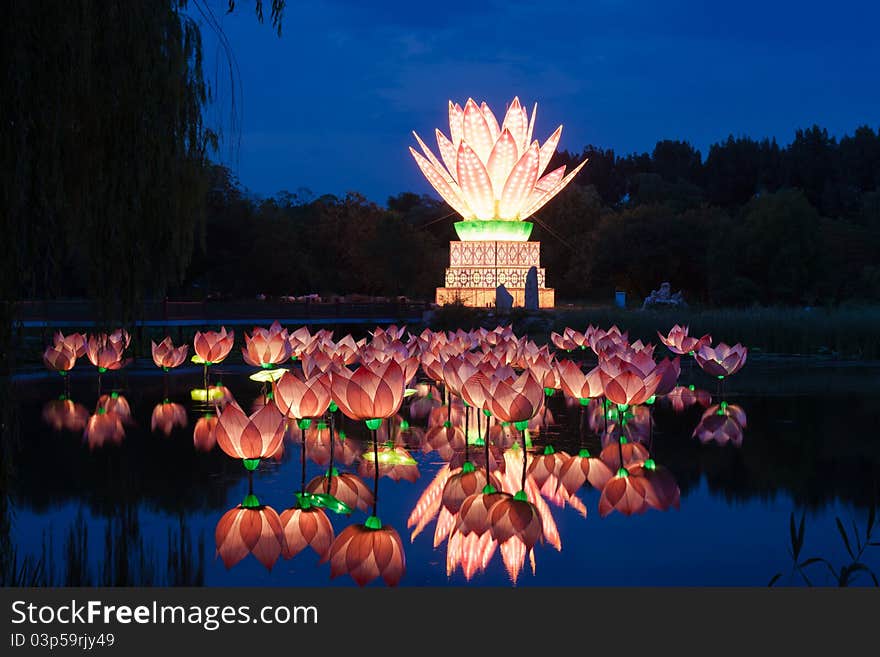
(330, 104)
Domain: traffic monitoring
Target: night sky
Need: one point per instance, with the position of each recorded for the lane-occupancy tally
(330, 105)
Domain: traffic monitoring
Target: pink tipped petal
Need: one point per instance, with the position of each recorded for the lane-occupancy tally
(433, 159)
(475, 184)
(531, 129)
(520, 182)
(502, 159)
(548, 182)
(559, 187)
(549, 148)
(444, 188)
(449, 153)
(456, 120)
(476, 131)
(491, 121)
(516, 123)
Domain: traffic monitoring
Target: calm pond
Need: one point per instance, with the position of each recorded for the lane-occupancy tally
(143, 508)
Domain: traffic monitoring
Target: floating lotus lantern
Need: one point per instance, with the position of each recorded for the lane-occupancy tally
(266, 348)
(78, 342)
(105, 353)
(578, 385)
(722, 360)
(250, 438)
(59, 357)
(212, 348)
(679, 342)
(167, 356)
(626, 385)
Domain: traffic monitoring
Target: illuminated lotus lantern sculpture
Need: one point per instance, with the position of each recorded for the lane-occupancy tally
(495, 177)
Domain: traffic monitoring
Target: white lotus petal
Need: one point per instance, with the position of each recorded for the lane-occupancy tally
(433, 158)
(558, 188)
(456, 116)
(491, 121)
(503, 158)
(518, 185)
(476, 187)
(476, 131)
(548, 149)
(448, 152)
(449, 191)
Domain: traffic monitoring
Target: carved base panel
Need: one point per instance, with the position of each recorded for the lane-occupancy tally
(484, 297)
(490, 276)
(477, 268)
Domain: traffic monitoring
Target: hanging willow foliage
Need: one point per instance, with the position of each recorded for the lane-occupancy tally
(103, 150)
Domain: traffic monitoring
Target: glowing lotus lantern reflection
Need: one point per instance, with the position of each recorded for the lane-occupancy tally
(625, 493)
(491, 174)
(64, 413)
(167, 416)
(366, 552)
(304, 528)
(344, 486)
(250, 528)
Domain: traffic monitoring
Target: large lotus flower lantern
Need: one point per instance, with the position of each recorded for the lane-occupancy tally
(493, 175)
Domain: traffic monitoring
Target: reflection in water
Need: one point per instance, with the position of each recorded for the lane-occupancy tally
(601, 459)
(65, 414)
(722, 423)
(366, 552)
(168, 416)
(250, 528)
(204, 438)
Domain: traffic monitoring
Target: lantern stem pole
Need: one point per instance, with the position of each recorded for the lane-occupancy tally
(466, 413)
(525, 458)
(605, 414)
(375, 470)
(332, 449)
(302, 435)
(486, 444)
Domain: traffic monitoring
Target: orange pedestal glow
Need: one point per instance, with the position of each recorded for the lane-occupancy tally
(477, 268)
